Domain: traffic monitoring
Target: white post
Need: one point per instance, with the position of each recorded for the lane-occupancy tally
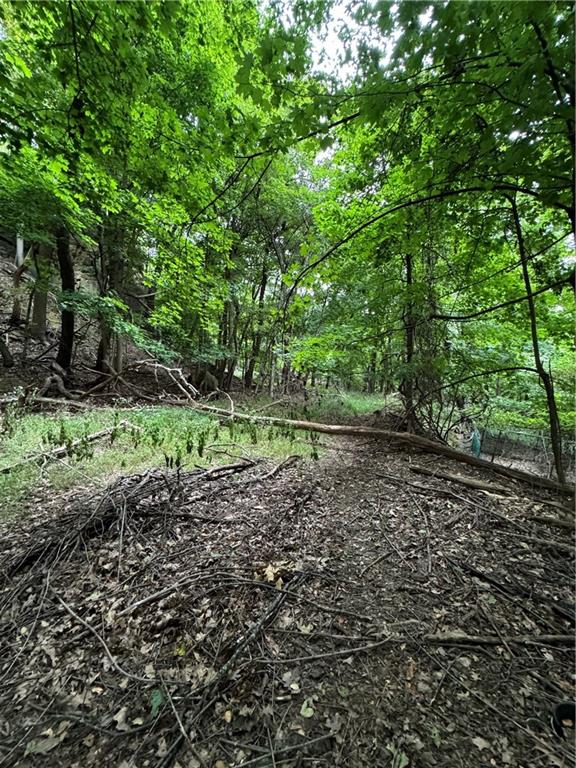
(19, 251)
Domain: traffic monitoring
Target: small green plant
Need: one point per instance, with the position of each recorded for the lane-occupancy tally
(143, 438)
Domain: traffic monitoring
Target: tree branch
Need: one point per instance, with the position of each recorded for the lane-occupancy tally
(509, 303)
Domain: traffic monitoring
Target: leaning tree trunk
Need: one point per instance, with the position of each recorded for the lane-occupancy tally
(66, 265)
(545, 377)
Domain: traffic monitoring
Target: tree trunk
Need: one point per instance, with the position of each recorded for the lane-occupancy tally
(272, 374)
(103, 354)
(5, 354)
(545, 377)
(407, 385)
(257, 335)
(16, 315)
(39, 308)
(371, 374)
(42, 259)
(109, 355)
(64, 356)
(118, 353)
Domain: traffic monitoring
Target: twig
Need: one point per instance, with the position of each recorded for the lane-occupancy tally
(442, 679)
(332, 654)
(498, 710)
(121, 542)
(514, 589)
(375, 562)
(491, 621)
(286, 750)
(176, 376)
(36, 721)
(179, 721)
(449, 638)
(427, 529)
(471, 482)
(398, 551)
(102, 642)
(257, 628)
(550, 543)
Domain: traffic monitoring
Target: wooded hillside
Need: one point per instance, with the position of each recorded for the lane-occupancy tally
(286, 383)
(377, 198)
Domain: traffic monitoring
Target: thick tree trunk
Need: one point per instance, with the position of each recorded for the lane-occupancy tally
(39, 309)
(545, 377)
(64, 356)
(249, 372)
(118, 353)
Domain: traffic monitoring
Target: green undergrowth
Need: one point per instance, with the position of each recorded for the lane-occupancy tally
(141, 438)
(325, 406)
(338, 405)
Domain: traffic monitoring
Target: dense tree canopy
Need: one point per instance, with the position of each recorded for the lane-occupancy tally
(405, 224)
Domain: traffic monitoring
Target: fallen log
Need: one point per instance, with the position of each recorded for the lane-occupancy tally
(405, 438)
(553, 521)
(470, 482)
(461, 638)
(30, 400)
(565, 612)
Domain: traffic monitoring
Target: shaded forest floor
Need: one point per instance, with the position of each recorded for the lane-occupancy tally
(345, 612)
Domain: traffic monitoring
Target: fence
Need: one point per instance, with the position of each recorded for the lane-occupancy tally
(528, 445)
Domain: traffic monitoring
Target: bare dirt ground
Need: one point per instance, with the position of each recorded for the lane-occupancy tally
(346, 612)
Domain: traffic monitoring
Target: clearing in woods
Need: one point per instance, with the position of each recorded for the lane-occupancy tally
(349, 612)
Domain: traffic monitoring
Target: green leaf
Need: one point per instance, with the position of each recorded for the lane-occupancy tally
(157, 699)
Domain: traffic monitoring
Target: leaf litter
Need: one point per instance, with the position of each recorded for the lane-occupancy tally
(309, 615)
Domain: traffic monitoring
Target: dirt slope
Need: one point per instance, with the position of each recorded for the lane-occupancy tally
(302, 617)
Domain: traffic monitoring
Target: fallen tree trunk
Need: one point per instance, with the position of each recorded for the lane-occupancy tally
(461, 638)
(33, 399)
(470, 482)
(406, 438)
(553, 521)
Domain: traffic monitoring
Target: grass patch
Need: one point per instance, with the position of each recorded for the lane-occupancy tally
(340, 406)
(162, 436)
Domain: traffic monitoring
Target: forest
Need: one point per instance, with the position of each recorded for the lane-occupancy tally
(287, 370)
